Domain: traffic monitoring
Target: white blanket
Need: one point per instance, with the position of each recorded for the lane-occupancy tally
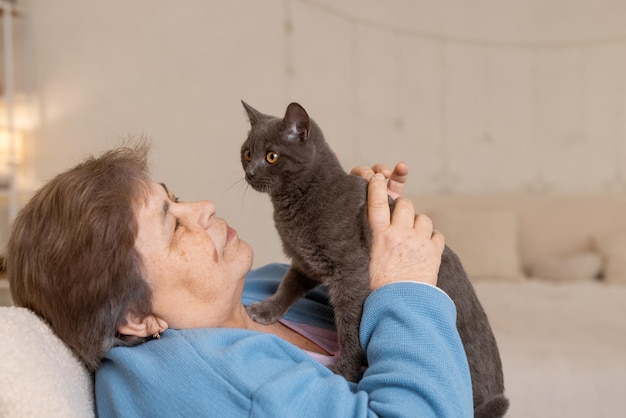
(39, 375)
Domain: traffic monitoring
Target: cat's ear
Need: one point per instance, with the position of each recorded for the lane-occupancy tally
(297, 122)
(253, 114)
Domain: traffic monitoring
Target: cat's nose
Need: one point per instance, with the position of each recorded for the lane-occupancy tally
(250, 173)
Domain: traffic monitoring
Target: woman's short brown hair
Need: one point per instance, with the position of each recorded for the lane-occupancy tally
(71, 256)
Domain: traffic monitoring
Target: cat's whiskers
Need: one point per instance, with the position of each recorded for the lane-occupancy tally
(241, 182)
(237, 183)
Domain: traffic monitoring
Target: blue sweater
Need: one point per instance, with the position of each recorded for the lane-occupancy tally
(417, 365)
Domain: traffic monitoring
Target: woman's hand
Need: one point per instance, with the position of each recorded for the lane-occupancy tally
(397, 177)
(404, 245)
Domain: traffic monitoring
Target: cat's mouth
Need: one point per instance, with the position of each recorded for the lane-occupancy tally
(260, 185)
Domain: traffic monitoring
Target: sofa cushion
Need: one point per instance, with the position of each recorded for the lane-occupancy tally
(550, 225)
(39, 375)
(612, 247)
(581, 266)
(485, 240)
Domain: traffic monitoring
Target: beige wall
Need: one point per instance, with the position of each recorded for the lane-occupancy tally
(478, 97)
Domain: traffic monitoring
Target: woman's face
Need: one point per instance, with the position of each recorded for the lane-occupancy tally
(194, 262)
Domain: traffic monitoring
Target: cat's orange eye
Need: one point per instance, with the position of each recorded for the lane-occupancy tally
(247, 155)
(271, 157)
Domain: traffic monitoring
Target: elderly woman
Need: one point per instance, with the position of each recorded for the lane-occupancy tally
(149, 292)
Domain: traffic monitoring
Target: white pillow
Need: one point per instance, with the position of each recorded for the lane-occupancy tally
(612, 248)
(39, 375)
(583, 266)
(485, 240)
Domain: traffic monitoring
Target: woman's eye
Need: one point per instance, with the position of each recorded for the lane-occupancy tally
(247, 155)
(173, 197)
(271, 157)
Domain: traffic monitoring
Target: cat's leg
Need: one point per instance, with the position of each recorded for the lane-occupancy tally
(347, 298)
(293, 286)
(477, 336)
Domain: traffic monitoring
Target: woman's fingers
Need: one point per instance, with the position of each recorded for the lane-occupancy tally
(382, 169)
(397, 180)
(423, 225)
(404, 245)
(438, 239)
(368, 172)
(378, 211)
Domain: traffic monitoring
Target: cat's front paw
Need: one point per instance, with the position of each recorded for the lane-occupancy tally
(263, 312)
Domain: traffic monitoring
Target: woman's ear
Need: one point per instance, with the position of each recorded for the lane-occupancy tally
(141, 327)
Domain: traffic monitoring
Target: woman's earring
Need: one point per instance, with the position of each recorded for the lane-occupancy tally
(157, 334)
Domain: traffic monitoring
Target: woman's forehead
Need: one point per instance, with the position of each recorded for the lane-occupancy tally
(149, 191)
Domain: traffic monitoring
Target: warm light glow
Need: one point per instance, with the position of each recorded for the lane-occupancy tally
(11, 152)
(22, 116)
(12, 145)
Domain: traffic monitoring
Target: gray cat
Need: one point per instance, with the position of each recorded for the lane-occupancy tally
(320, 213)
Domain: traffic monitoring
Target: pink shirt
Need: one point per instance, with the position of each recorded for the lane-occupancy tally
(324, 338)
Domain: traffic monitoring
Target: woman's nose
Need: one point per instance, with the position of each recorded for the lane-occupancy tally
(201, 213)
(207, 212)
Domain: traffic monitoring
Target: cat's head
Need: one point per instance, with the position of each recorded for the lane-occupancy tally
(279, 151)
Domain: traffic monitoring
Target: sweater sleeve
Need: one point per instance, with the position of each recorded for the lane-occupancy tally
(416, 358)
(417, 367)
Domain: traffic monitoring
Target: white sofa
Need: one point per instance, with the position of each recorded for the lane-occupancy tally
(562, 336)
(534, 261)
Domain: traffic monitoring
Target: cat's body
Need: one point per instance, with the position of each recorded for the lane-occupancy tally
(320, 213)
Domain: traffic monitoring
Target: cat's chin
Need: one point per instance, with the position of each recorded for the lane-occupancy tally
(261, 187)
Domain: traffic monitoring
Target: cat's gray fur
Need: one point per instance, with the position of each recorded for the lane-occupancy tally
(320, 215)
